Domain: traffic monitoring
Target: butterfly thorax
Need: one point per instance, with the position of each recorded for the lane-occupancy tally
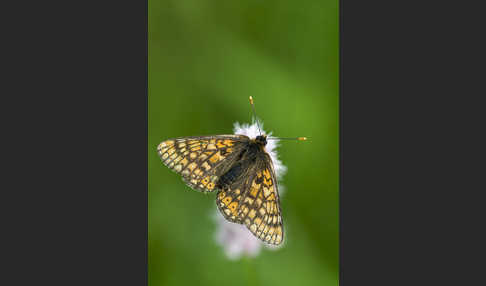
(261, 140)
(254, 148)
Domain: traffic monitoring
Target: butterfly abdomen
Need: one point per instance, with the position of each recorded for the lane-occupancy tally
(229, 177)
(244, 160)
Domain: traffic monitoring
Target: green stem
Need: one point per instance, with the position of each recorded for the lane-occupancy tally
(251, 270)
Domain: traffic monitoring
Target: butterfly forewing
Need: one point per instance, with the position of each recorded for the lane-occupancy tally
(201, 160)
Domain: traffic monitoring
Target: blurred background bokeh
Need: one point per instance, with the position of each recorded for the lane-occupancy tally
(205, 58)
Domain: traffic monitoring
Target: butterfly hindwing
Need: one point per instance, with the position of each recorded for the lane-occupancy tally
(201, 160)
(229, 199)
(266, 223)
(253, 200)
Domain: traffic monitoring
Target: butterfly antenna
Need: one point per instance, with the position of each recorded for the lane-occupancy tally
(288, 138)
(254, 114)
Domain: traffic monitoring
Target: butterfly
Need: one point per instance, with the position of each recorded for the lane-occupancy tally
(241, 171)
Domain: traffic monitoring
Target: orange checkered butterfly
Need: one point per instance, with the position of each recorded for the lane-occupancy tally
(242, 172)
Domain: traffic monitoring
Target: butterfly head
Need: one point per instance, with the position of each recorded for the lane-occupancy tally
(261, 139)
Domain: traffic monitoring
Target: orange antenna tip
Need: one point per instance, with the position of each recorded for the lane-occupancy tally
(302, 138)
(251, 100)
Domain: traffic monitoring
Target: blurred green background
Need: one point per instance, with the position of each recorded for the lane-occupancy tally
(205, 58)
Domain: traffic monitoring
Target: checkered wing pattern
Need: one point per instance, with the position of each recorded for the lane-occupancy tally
(201, 160)
(254, 202)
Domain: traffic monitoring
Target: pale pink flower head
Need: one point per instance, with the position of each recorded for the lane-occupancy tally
(236, 239)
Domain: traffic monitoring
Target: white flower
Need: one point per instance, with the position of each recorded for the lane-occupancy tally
(235, 238)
